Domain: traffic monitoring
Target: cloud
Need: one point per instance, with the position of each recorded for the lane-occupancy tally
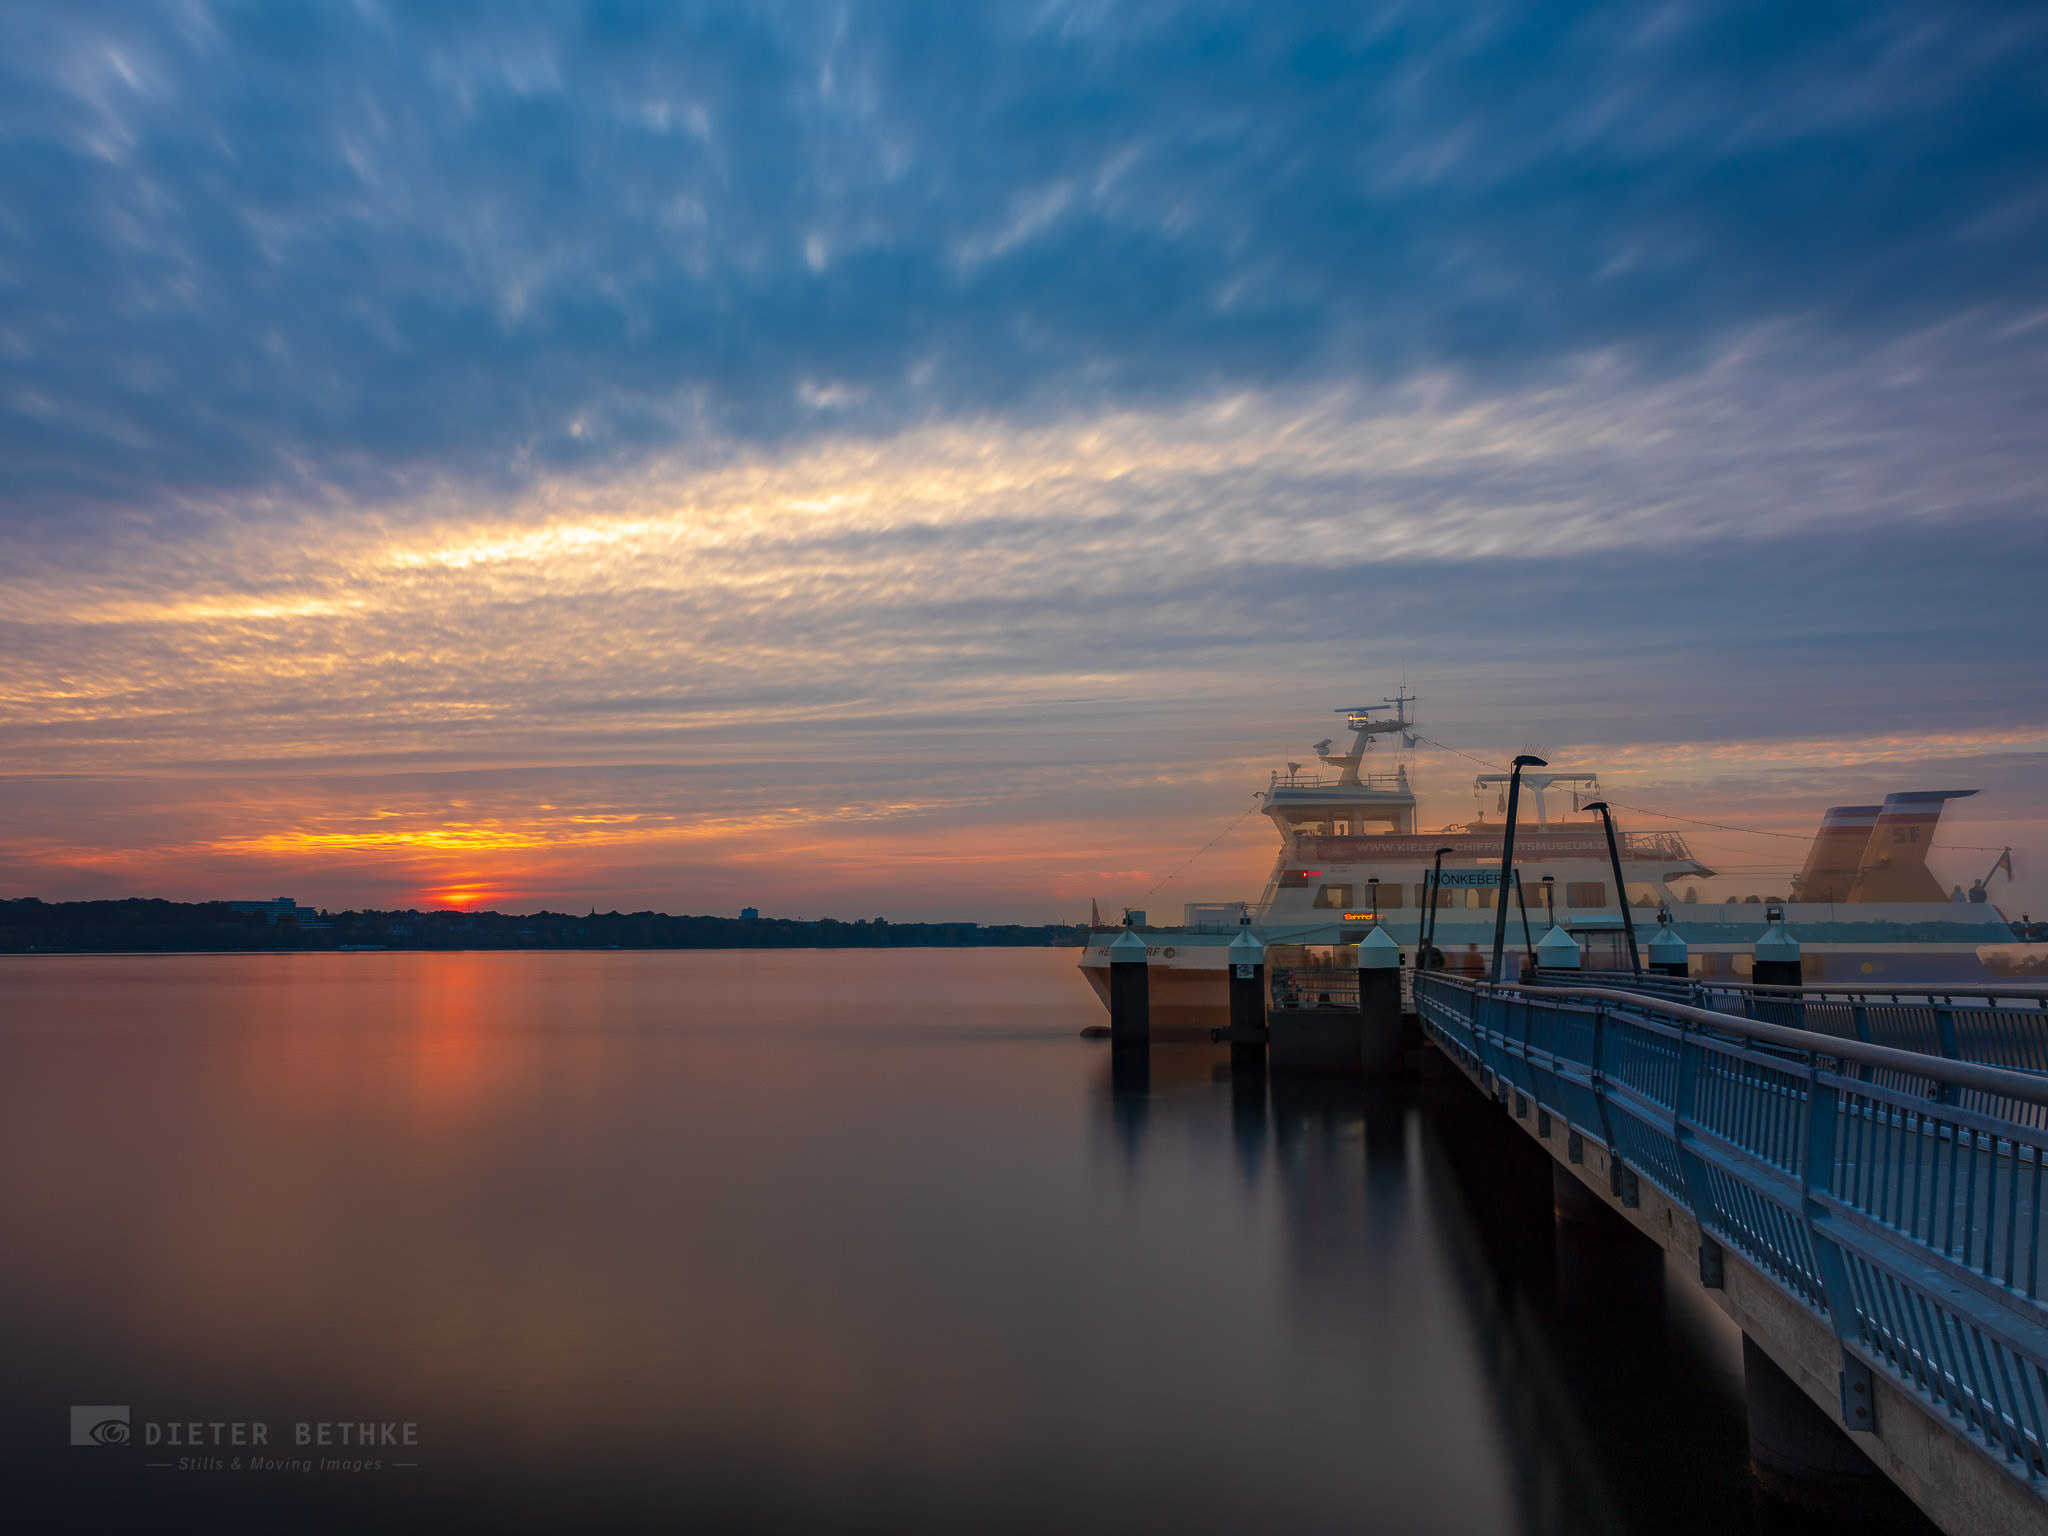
(326, 249)
(957, 451)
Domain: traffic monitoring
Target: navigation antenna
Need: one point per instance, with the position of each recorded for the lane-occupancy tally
(1360, 722)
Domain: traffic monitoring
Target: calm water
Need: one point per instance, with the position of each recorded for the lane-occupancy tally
(793, 1242)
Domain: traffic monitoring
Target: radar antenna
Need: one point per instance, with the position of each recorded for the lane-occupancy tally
(1359, 720)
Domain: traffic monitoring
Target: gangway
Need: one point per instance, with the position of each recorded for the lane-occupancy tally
(1869, 1216)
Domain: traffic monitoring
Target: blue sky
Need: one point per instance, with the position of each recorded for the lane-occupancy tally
(933, 460)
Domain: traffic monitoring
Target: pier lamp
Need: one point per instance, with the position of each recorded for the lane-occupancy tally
(1372, 886)
(1550, 898)
(1628, 923)
(1428, 925)
(1522, 907)
(1507, 859)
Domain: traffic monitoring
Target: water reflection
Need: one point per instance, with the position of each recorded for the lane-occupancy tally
(1609, 1392)
(802, 1242)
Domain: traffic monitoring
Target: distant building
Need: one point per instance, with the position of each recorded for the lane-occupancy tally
(279, 907)
(272, 910)
(749, 914)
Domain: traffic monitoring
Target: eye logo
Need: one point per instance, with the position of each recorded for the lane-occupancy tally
(99, 1426)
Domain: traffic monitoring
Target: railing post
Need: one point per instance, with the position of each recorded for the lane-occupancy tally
(1816, 1174)
(1951, 1049)
(1684, 1108)
(1597, 1075)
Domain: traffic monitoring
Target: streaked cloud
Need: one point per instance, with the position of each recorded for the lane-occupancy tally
(952, 454)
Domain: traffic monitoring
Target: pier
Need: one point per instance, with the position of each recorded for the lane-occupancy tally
(1868, 1214)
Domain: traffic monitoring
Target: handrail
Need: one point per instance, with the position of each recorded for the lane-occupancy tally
(2037, 991)
(2028, 1087)
(1906, 1224)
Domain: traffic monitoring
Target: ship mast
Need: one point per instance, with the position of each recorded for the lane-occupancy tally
(1360, 722)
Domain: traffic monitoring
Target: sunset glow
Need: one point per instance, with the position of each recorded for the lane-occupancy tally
(998, 602)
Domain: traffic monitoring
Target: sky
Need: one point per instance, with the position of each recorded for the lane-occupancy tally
(936, 461)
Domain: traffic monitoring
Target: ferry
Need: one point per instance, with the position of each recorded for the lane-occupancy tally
(1864, 908)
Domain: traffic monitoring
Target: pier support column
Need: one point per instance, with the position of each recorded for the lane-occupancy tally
(1379, 1003)
(1799, 1454)
(1668, 954)
(1577, 1205)
(1130, 992)
(1775, 961)
(1247, 982)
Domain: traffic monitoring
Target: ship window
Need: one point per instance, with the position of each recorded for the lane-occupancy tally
(1585, 893)
(1479, 896)
(1443, 897)
(1390, 896)
(1334, 896)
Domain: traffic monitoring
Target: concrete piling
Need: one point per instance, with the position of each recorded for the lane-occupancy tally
(1573, 1202)
(1130, 992)
(1776, 956)
(1557, 951)
(1668, 954)
(1379, 1003)
(1246, 959)
(1797, 1453)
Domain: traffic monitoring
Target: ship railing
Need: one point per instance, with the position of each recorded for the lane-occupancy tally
(1386, 781)
(1896, 1196)
(1309, 986)
(1666, 846)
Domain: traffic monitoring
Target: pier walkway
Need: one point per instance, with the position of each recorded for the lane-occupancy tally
(1869, 1215)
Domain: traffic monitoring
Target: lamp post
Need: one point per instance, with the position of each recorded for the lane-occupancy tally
(1550, 899)
(1628, 924)
(1436, 877)
(1507, 859)
(1372, 886)
(1522, 906)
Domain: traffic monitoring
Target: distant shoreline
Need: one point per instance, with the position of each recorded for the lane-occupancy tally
(144, 926)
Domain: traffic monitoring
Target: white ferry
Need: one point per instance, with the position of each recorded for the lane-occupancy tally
(1865, 908)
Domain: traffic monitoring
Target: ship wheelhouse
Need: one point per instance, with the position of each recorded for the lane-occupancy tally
(1351, 850)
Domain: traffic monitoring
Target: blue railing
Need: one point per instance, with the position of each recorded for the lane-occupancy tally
(1313, 987)
(1898, 1195)
(1999, 1026)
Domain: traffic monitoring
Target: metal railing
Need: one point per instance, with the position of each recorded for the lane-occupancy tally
(1999, 1026)
(1667, 846)
(1673, 989)
(1896, 1194)
(1302, 986)
(1396, 782)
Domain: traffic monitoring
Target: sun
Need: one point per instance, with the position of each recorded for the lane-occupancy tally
(463, 897)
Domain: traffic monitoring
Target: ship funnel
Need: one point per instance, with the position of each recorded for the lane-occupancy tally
(1836, 853)
(1894, 866)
